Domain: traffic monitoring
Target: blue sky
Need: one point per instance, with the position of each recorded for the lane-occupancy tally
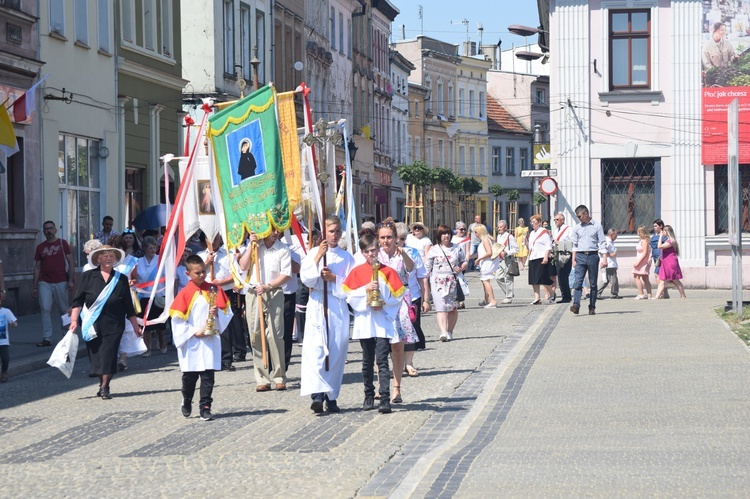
(494, 15)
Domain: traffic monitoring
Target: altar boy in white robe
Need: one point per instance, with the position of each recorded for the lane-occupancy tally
(373, 326)
(199, 353)
(321, 384)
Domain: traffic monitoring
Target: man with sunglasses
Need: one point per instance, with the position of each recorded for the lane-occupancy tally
(562, 246)
(54, 272)
(588, 242)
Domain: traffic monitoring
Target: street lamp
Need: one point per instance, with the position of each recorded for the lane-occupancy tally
(526, 31)
(255, 62)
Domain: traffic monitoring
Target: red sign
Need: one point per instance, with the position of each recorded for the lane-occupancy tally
(714, 134)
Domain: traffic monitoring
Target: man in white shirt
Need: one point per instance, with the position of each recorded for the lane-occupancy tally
(267, 276)
(562, 246)
(611, 267)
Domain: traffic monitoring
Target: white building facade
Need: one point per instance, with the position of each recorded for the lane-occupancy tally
(626, 138)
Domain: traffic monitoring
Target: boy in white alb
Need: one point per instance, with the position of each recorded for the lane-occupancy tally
(199, 354)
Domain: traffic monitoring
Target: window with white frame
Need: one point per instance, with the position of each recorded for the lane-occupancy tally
(496, 169)
(430, 95)
(440, 96)
(127, 17)
(165, 34)
(472, 112)
(482, 105)
(260, 43)
(441, 152)
(462, 159)
(451, 150)
(82, 21)
(523, 158)
(57, 17)
(333, 28)
(341, 32)
(451, 100)
(628, 193)
(482, 169)
(416, 108)
(510, 161)
(80, 193)
(102, 25)
(472, 161)
(630, 49)
(155, 27)
(228, 37)
(149, 24)
(461, 101)
(418, 148)
(541, 96)
(245, 44)
(428, 151)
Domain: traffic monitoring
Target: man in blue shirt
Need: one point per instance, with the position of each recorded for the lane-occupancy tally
(588, 242)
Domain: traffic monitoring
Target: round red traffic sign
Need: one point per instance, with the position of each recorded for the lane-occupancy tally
(548, 186)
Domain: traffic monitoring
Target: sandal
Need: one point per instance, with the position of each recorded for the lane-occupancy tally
(147, 354)
(411, 371)
(397, 399)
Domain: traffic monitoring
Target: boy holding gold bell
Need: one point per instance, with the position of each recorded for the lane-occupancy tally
(199, 313)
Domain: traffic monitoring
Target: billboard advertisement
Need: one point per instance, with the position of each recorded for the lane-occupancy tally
(725, 70)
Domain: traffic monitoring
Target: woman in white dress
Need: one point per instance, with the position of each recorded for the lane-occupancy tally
(487, 265)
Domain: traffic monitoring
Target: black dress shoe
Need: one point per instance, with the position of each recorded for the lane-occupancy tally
(369, 404)
(564, 301)
(239, 358)
(592, 311)
(228, 367)
(575, 308)
(317, 404)
(385, 406)
(332, 406)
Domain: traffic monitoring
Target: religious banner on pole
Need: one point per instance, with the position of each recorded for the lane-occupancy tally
(249, 168)
(290, 148)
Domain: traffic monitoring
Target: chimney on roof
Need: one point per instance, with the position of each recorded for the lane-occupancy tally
(469, 48)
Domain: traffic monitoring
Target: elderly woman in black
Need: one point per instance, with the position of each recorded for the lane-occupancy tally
(112, 291)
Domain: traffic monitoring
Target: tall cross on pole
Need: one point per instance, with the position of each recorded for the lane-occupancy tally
(319, 139)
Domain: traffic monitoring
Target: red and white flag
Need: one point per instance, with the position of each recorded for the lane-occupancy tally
(26, 104)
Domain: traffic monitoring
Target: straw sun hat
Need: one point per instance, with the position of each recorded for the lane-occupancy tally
(94, 255)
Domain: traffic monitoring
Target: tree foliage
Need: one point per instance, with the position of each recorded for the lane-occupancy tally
(442, 176)
(417, 173)
(513, 195)
(471, 186)
(496, 190)
(538, 198)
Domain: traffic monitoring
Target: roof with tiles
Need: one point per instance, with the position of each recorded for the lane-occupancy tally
(500, 120)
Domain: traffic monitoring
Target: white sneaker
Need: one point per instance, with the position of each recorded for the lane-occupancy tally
(450, 336)
(507, 300)
(444, 337)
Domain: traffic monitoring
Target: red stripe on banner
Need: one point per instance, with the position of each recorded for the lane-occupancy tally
(297, 231)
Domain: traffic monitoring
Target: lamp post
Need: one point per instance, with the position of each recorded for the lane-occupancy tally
(255, 62)
(526, 31)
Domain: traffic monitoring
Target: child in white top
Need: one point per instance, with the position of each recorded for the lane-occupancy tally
(6, 319)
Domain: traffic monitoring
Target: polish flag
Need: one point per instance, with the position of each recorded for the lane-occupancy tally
(26, 104)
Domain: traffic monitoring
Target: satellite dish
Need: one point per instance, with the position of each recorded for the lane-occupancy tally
(298, 65)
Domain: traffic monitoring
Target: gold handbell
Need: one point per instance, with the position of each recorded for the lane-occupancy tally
(136, 302)
(373, 296)
(210, 328)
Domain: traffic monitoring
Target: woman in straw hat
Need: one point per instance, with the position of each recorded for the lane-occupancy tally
(102, 300)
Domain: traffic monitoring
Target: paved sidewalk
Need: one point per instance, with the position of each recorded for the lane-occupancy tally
(644, 398)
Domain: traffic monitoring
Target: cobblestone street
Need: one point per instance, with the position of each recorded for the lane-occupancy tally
(526, 401)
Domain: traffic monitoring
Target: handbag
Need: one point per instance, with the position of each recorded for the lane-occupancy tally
(64, 355)
(513, 268)
(460, 283)
(413, 313)
(657, 263)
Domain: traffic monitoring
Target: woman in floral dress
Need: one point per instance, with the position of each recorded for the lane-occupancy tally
(443, 261)
(397, 259)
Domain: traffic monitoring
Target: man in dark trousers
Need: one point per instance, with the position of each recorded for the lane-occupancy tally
(588, 242)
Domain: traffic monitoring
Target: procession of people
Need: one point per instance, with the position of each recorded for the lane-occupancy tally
(231, 302)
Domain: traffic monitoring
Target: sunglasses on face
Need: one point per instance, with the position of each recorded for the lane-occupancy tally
(128, 231)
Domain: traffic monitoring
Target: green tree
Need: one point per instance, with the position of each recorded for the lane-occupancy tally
(538, 198)
(417, 173)
(471, 186)
(496, 190)
(513, 195)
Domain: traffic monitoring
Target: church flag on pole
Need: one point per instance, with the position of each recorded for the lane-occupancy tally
(248, 167)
